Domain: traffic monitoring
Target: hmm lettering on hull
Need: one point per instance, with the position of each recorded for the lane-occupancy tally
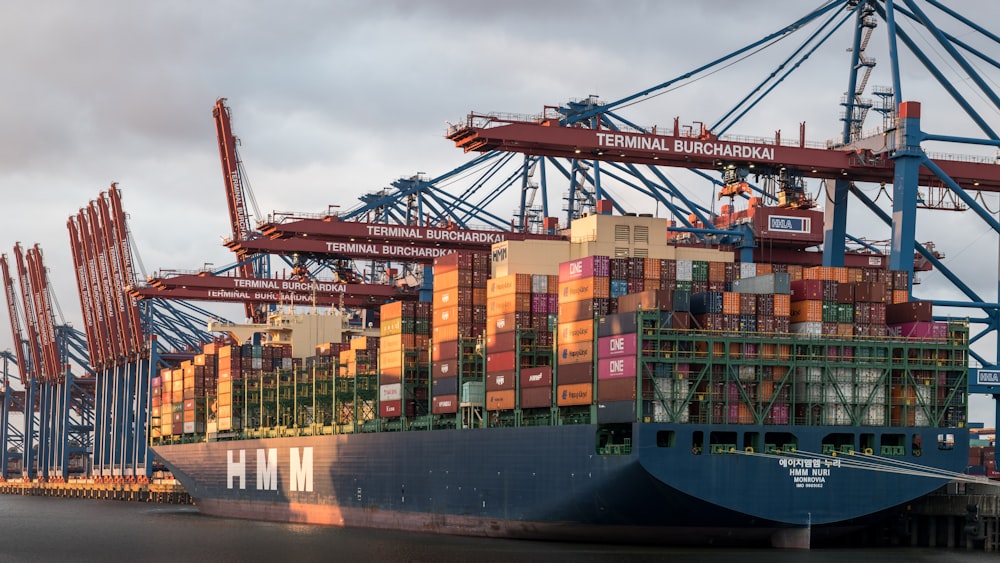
(300, 469)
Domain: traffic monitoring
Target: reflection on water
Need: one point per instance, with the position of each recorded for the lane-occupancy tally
(43, 530)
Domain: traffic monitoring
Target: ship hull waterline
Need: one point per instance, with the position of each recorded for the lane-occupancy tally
(548, 483)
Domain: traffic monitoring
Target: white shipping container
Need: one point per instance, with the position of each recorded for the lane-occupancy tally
(685, 270)
(810, 374)
(836, 414)
(748, 270)
(875, 416)
(814, 329)
(390, 392)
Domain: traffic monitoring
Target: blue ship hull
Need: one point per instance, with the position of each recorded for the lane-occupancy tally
(557, 482)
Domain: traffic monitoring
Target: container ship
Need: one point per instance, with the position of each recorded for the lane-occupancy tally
(618, 385)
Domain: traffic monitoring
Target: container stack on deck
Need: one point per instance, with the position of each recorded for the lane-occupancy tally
(518, 338)
(404, 377)
(459, 313)
(548, 339)
(584, 292)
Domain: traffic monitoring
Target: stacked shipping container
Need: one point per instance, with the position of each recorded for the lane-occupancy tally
(404, 350)
(519, 338)
(459, 309)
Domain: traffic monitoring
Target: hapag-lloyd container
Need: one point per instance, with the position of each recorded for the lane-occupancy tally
(575, 353)
(612, 368)
(575, 394)
(618, 345)
(577, 331)
(501, 400)
(584, 288)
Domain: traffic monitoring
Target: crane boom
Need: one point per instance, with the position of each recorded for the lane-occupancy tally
(15, 320)
(701, 149)
(239, 218)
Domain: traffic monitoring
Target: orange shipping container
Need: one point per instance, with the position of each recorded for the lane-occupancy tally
(441, 333)
(808, 311)
(506, 285)
(716, 271)
(782, 305)
(578, 331)
(730, 301)
(393, 310)
(509, 303)
(500, 400)
(576, 353)
(585, 288)
(900, 296)
(575, 394)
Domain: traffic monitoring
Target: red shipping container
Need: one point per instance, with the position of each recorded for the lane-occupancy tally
(501, 380)
(909, 312)
(446, 404)
(614, 368)
(501, 361)
(807, 289)
(445, 368)
(444, 350)
(617, 345)
(501, 342)
(536, 397)
(623, 389)
(390, 409)
(575, 373)
(540, 376)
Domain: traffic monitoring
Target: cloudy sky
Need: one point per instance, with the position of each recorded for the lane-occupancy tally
(336, 99)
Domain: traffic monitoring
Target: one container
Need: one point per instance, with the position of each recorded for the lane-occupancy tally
(617, 345)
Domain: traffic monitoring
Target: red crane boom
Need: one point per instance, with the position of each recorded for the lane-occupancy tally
(701, 149)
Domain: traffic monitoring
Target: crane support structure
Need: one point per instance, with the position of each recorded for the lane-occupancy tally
(115, 338)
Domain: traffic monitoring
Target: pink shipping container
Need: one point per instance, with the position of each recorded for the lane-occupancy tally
(584, 268)
(617, 345)
(616, 368)
(919, 329)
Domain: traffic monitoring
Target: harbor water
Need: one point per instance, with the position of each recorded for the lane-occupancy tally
(37, 529)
